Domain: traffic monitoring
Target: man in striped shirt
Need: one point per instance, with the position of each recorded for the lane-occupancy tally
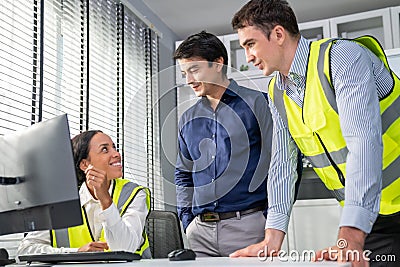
(326, 100)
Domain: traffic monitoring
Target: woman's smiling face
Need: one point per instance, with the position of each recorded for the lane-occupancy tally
(103, 155)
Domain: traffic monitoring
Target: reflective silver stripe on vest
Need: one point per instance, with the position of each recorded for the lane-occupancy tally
(328, 90)
(338, 193)
(322, 161)
(62, 238)
(146, 253)
(326, 86)
(391, 173)
(280, 106)
(390, 115)
(125, 194)
(318, 161)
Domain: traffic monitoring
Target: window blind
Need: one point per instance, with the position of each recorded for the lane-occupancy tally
(157, 180)
(64, 61)
(92, 59)
(103, 60)
(140, 120)
(18, 36)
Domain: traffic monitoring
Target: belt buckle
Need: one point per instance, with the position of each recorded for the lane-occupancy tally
(210, 217)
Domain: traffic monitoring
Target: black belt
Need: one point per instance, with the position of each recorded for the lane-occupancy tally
(210, 216)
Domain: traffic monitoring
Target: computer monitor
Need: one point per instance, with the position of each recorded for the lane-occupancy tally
(38, 185)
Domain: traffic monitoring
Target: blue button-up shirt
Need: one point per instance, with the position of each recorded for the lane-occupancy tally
(224, 154)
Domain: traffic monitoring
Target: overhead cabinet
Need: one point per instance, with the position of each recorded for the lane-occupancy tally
(376, 23)
(315, 30)
(383, 24)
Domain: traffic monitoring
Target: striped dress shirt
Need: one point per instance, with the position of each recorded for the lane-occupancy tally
(359, 79)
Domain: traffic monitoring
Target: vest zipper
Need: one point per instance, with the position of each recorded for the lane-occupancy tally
(339, 172)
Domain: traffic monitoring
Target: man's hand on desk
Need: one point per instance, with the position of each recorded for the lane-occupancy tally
(272, 244)
(349, 248)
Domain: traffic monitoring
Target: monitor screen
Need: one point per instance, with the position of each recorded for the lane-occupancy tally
(38, 185)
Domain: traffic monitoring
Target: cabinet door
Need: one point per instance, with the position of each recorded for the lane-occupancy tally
(376, 23)
(238, 68)
(314, 224)
(395, 16)
(393, 56)
(315, 30)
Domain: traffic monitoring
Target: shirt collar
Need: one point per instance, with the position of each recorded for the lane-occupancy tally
(299, 63)
(231, 91)
(233, 88)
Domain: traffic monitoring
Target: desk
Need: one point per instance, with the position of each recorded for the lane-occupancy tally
(203, 262)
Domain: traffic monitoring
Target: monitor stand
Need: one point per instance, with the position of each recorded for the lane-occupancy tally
(4, 260)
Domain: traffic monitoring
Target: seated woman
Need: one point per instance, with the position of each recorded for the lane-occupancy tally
(114, 210)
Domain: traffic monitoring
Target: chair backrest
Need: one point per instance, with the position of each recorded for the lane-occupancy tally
(164, 233)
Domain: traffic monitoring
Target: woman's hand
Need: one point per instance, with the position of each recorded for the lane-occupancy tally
(94, 246)
(98, 184)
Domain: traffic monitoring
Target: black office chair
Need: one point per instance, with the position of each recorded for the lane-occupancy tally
(164, 233)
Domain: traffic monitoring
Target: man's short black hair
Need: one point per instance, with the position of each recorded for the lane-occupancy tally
(204, 45)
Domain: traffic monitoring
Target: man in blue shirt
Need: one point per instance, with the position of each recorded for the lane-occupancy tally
(224, 153)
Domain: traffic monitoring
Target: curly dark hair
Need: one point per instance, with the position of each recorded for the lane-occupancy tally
(80, 150)
(204, 45)
(265, 15)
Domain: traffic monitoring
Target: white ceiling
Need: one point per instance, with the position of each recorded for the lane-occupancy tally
(185, 17)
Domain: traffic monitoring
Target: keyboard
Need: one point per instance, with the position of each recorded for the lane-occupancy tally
(94, 256)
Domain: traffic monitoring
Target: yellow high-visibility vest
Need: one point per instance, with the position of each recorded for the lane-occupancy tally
(316, 129)
(123, 194)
